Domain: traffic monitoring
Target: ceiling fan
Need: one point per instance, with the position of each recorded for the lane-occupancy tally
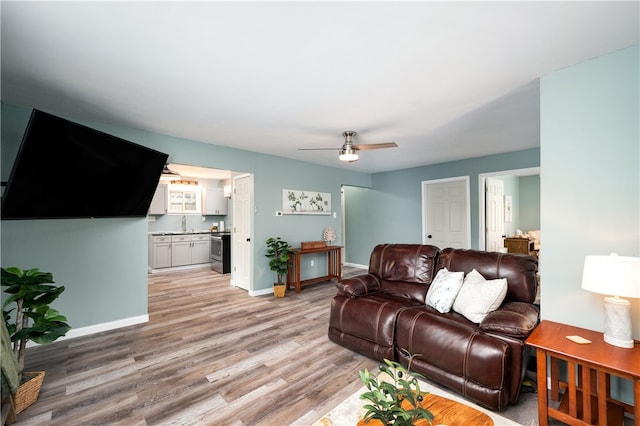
(349, 151)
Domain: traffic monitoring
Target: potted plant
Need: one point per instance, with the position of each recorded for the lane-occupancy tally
(29, 317)
(396, 400)
(278, 252)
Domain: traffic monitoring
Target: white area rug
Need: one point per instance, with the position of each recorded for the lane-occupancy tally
(350, 410)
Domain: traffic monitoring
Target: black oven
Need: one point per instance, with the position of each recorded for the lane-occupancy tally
(221, 253)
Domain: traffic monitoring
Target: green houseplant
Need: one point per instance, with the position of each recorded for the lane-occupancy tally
(28, 316)
(278, 252)
(395, 401)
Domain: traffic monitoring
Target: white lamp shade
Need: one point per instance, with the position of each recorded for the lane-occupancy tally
(612, 275)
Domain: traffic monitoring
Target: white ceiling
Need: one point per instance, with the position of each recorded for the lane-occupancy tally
(445, 80)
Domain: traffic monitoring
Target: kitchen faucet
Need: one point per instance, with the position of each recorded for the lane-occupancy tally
(184, 223)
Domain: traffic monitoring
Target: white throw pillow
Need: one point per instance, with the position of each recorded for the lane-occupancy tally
(444, 289)
(479, 296)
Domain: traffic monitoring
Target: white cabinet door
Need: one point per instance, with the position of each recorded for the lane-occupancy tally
(200, 248)
(160, 252)
(215, 202)
(180, 250)
(159, 201)
(161, 255)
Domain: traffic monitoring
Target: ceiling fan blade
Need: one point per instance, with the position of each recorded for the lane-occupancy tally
(366, 146)
(319, 149)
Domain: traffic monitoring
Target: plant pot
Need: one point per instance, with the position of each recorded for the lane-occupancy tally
(279, 290)
(28, 391)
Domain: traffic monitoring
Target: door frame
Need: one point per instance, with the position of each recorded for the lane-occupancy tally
(482, 219)
(423, 188)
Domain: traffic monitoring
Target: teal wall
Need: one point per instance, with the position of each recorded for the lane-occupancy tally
(529, 202)
(590, 185)
(103, 262)
(361, 230)
(590, 182)
(393, 212)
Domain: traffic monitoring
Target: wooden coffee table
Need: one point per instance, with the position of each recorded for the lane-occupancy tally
(449, 412)
(444, 406)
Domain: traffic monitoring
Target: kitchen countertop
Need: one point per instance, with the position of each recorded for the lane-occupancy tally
(185, 232)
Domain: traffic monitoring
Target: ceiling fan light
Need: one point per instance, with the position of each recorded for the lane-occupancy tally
(350, 155)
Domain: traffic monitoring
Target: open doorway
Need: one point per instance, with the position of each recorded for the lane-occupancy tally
(521, 197)
(212, 209)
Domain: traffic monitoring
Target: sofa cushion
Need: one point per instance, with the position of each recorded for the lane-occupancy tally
(455, 354)
(444, 289)
(411, 263)
(404, 270)
(365, 324)
(479, 296)
(357, 286)
(519, 269)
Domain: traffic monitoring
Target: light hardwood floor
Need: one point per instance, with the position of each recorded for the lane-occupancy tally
(209, 355)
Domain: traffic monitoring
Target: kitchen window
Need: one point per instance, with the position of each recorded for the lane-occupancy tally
(185, 200)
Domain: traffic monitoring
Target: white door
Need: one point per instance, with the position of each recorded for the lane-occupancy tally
(494, 200)
(445, 211)
(242, 265)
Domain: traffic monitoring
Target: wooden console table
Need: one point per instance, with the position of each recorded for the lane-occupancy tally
(587, 397)
(518, 245)
(334, 265)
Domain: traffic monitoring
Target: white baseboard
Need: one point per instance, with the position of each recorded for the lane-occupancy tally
(356, 265)
(263, 292)
(99, 328)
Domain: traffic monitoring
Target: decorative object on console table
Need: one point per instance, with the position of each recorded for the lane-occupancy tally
(32, 293)
(329, 235)
(618, 276)
(306, 245)
(278, 252)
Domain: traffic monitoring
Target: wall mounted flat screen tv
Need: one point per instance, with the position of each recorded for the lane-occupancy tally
(65, 170)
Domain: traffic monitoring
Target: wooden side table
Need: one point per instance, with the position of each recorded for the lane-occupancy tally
(587, 397)
(334, 265)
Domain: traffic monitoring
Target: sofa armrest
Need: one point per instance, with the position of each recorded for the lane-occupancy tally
(515, 319)
(360, 285)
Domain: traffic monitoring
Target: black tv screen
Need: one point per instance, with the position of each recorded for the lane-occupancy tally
(65, 170)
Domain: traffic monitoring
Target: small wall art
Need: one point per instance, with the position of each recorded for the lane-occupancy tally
(508, 208)
(306, 202)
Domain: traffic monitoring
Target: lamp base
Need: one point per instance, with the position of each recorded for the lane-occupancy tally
(617, 322)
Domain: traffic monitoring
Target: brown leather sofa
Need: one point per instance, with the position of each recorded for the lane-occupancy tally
(381, 313)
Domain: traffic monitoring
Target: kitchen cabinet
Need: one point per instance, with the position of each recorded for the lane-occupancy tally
(179, 250)
(159, 201)
(215, 203)
(200, 249)
(160, 251)
(189, 249)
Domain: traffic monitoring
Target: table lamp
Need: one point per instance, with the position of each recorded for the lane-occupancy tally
(617, 276)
